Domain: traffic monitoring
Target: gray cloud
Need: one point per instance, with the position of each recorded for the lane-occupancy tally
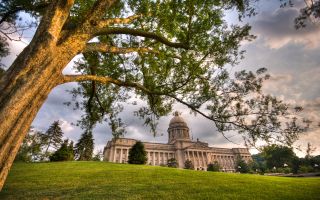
(276, 29)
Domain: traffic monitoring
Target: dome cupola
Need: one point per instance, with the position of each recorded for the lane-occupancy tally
(178, 128)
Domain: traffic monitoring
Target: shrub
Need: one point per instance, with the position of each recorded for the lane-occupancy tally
(172, 162)
(305, 169)
(64, 153)
(242, 166)
(137, 154)
(188, 164)
(213, 167)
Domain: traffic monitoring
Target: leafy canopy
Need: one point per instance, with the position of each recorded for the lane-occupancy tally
(166, 52)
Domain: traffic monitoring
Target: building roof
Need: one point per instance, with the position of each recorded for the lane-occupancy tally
(177, 121)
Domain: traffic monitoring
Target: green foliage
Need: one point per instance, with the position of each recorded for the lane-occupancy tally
(307, 164)
(258, 164)
(188, 164)
(84, 147)
(64, 153)
(213, 167)
(54, 135)
(98, 156)
(103, 180)
(31, 147)
(277, 156)
(137, 154)
(190, 72)
(242, 166)
(172, 162)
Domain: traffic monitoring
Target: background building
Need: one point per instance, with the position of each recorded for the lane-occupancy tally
(180, 147)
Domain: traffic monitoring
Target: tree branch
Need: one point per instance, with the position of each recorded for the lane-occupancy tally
(105, 80)
(107, 22)
(100, 47)
(141, 33)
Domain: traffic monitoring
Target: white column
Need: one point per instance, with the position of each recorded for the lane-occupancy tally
(198, 158)
(127, 153)
(203, 161)
(158, 158)
(163, 162)
(153, 159)
(167, 157)
(114, 154)
(194, 159)
(120, 155)
(188, 156)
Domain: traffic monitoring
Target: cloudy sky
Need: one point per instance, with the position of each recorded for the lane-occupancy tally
(291, 56)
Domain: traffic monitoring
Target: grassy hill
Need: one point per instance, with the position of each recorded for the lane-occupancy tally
(101, 180)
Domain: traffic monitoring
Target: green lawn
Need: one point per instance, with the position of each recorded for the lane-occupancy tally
(101, 180)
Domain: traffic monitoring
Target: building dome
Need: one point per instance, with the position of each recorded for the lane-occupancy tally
(177, 121)
(178, 128)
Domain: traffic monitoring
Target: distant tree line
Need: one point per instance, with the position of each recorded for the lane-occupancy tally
(50, 146)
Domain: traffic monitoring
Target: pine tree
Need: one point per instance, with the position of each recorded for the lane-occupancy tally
(53, 137)
(137, 154)
(84, 147)
(64, 153)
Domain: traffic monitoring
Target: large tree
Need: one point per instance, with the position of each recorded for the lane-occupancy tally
(277, 155)
(160, 51)
(84, 147)
(53, 137)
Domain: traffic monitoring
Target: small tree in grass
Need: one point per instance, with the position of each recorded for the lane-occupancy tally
(98, 156)
(242, 166)
(188, 164)
(137, 154)
(172, 162)
(213, 167)
(64, 153)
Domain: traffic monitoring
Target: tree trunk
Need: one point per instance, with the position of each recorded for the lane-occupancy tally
(37, 70)
(23, 90)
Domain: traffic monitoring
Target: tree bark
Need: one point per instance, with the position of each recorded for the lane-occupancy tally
(29, 80)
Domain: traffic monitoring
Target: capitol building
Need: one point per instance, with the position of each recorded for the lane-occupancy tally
(180, 147)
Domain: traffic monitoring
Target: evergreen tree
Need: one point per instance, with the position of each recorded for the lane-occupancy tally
(84, 147)
(242, 166)
(137, 154)
(64, 153)
(53, 137)
(213, 167)
(172, 162)
(188, 164)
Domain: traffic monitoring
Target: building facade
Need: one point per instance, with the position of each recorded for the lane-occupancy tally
(180, 147)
